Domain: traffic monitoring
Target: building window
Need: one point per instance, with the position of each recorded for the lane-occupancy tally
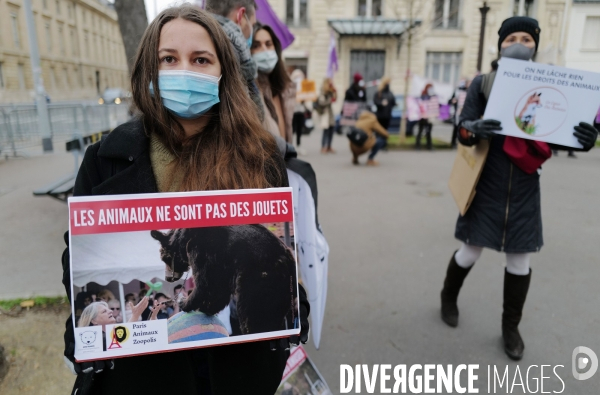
(48, 37)
(58, 7)
(447, 14)
(369, 8)
(86, 44)
(292, 64)
(591, 32)
(45, 4)
(61, 40)
(443, 67)
(53, 78)
(73, 42)
(297, 12)
(14, 18)
(65, 78)
(1, 76)
(524, 8)
(70, 10)
(21, 71)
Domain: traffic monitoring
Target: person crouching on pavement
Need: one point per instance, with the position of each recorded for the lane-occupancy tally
(377, 138)
(505, 214)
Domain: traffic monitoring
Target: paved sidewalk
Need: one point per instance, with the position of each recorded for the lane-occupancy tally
(31, 231)
(390, 230)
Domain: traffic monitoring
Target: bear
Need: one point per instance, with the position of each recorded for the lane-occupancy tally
(88, 337)
(245, 261)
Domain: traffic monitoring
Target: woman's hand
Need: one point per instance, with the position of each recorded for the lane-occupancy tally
(586, 135)
(482, 128)
(155, 310)
(138, 309)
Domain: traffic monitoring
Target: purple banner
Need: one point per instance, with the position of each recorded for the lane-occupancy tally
(266, 16)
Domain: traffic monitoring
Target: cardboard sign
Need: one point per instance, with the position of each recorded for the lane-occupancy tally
(307, 91)
(301, 376)
(185, 250)
(465, 173)
(540, 102)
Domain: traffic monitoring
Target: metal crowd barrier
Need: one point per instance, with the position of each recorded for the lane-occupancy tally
(19, 123)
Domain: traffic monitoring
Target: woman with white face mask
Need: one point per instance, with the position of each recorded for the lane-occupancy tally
(198, 130)
(505, 214)
(274, 83)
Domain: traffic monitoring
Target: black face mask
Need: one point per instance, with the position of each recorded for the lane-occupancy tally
(386, 88)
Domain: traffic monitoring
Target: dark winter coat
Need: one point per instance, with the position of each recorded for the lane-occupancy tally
(385, 102)
(120, 164)
(355, 93)
(505, 214)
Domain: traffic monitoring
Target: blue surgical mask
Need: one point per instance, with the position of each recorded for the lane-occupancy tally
(187, 94)
(251, 38)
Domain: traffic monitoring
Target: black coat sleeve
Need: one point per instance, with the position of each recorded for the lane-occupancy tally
(87, 177)
(473, 109)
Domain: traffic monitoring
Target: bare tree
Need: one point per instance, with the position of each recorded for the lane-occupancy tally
(409, 10)
(132, 24)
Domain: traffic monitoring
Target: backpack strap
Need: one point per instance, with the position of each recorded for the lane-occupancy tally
(487, 83)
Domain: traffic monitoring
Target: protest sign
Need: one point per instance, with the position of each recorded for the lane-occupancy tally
(220, 265)
(541, 102)
(307, 91)
(301, 376)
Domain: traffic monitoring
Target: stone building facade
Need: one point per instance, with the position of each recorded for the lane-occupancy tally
(80, 47)
(445, 44)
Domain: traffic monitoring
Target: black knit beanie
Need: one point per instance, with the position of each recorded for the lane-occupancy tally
(519, 24)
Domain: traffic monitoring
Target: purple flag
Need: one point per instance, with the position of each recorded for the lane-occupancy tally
(266, 16)
(332, 65)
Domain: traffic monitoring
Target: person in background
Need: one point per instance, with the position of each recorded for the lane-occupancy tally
(458, 100)
(377, 138)
(494, 65)
(164, 304)
(325, 110)
(115, 306)
(274, 83)
(357, 91)
(385, 101)
(105, 296)
(424, 124)
(301, 111)
(237, 17)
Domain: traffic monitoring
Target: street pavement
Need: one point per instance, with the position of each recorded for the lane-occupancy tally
(390, 230)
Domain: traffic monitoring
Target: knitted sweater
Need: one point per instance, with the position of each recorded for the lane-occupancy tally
(163, 165)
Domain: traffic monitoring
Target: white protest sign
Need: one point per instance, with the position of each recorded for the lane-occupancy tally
(540, 102)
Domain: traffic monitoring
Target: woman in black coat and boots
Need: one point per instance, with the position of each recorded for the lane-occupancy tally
(505, 214)
(198, 130)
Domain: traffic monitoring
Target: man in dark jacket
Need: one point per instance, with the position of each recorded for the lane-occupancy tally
(357, 91)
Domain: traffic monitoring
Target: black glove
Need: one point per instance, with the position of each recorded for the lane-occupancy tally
(586, 134)
(285, 343)
(482, 128)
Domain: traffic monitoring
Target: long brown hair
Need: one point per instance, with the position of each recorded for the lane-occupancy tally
(278, 81)
(233, 151)
(278, 78)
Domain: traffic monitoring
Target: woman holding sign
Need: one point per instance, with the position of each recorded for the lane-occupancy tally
(505, 214)
(198, 130)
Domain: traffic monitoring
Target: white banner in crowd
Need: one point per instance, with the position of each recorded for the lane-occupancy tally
(540, 102)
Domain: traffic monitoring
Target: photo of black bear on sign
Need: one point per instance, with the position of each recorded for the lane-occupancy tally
(245, 267)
